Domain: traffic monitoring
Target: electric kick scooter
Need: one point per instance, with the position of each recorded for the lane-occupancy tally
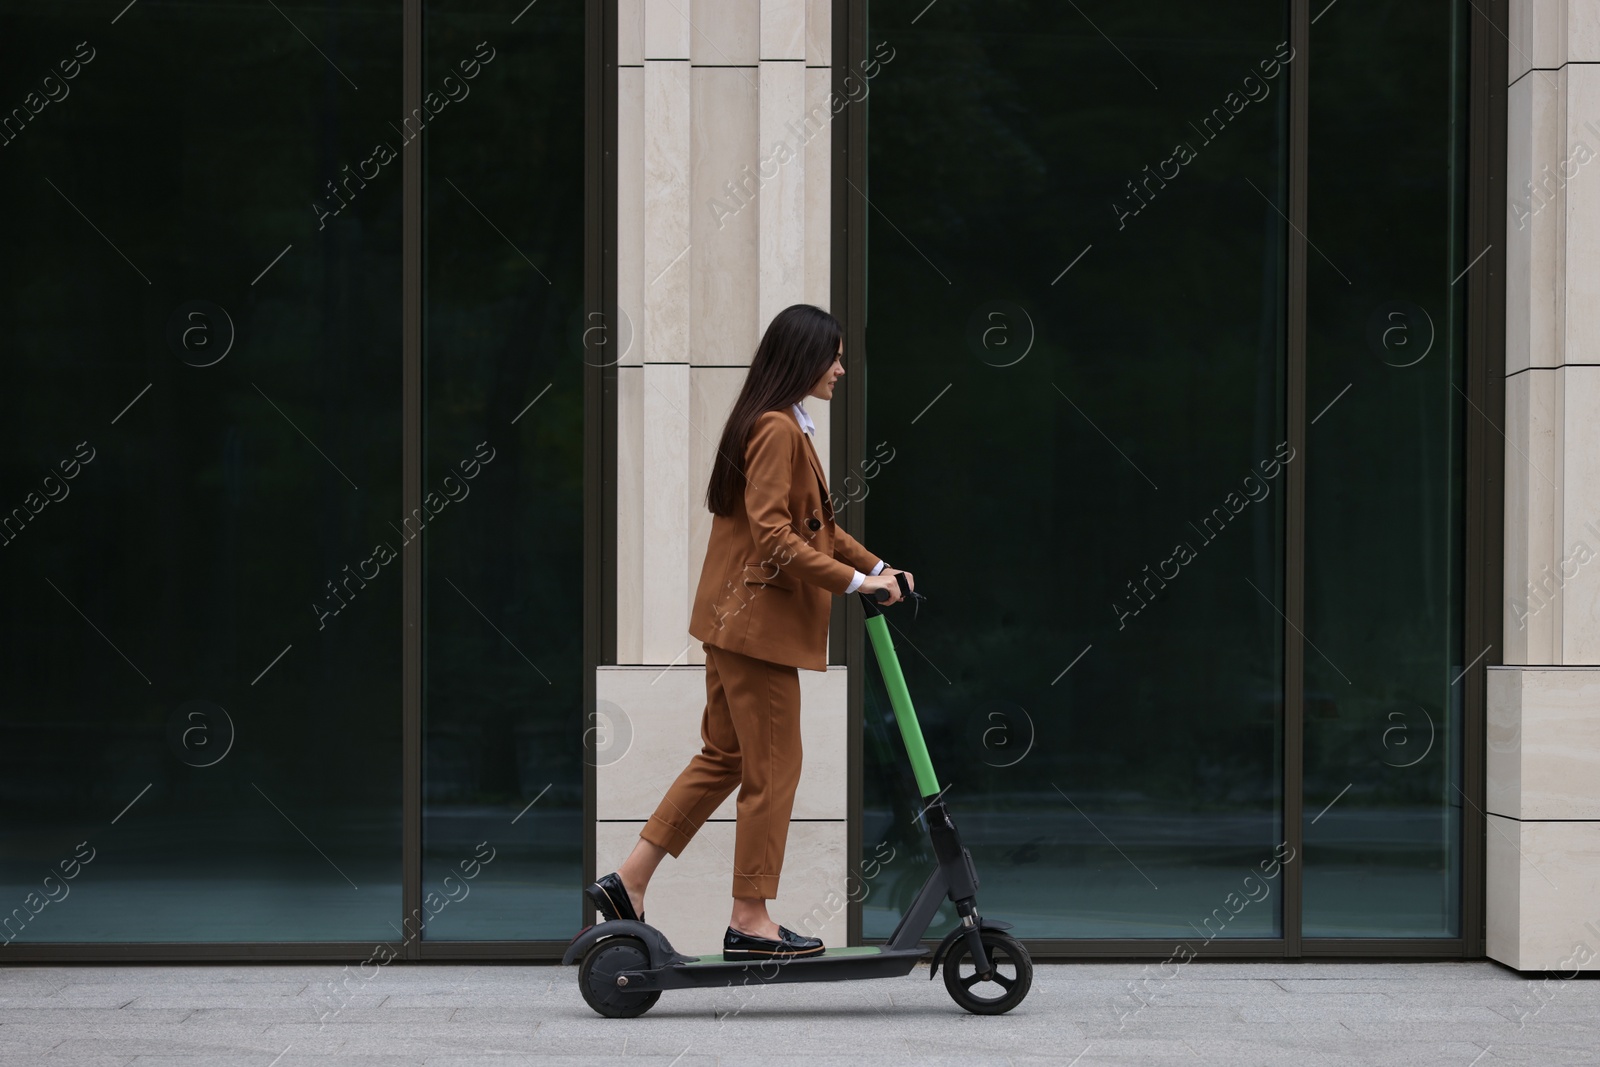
(626, 965)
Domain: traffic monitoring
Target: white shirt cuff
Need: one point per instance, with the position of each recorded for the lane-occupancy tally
(855, 583)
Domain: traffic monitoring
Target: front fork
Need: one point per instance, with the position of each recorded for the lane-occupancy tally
(971, 933)
(961, 878)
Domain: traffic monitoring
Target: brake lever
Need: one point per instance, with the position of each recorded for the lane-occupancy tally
(906, 593)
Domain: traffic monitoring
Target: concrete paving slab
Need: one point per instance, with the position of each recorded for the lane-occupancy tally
(439, 1015)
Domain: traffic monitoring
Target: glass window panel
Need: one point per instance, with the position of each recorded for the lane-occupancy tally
(1386, 348)
(199, 695)
(503, 288)
(1075, 333)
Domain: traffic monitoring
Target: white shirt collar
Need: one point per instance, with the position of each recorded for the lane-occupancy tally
(804, 419)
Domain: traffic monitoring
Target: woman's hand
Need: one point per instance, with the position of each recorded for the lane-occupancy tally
(885, 579)
(890, 572)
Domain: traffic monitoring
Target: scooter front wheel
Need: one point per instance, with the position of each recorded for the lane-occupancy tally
(1010, 978)
(597, 978)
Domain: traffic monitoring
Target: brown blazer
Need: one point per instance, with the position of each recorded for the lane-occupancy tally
(771, 566)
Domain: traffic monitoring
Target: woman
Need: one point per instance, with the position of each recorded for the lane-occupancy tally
(760, 612)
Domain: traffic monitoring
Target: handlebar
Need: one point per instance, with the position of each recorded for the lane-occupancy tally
(870, 603)
(905, 588)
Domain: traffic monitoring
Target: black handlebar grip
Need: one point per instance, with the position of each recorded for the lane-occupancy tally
(905, 588)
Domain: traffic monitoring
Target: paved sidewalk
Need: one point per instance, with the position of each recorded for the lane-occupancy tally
(1239, 1014)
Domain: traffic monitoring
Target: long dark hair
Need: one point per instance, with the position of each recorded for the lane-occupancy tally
(799, 346)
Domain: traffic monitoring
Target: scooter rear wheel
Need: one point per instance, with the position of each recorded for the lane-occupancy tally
(597, 978)
(1009, 981)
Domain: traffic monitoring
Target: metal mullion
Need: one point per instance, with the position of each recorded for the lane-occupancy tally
(192, 951)
(1152, 948)
(1295, 478)
(847, 290)
(599, 410)
(523, 951)
(1386, 948)
(846, 46)
(1066, 949)
(1485, 458)
(411, 487)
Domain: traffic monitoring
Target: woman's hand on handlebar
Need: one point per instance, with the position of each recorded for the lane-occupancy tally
(886, 580)
(873, 583)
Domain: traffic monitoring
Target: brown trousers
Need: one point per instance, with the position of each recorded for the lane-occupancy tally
(751, 735)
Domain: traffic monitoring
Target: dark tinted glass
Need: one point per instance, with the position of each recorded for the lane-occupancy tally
(1075, 341)
(202, 446)
(503, 285)
(1384, 504)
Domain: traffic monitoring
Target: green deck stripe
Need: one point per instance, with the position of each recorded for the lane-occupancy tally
(828, 954)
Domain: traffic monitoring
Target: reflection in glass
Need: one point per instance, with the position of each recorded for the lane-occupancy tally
(503, 286)
(1384, 528)
(1075, 349)
(202, 704)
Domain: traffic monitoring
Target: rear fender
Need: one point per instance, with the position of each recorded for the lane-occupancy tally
(660, 949)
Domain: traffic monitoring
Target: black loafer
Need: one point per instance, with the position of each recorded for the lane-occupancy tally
(612, 899)
(738, 947)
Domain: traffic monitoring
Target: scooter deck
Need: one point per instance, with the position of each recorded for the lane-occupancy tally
(838, 964)
(826, 954)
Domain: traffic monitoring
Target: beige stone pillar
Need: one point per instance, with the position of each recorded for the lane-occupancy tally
(1543, 837)
(723, 188)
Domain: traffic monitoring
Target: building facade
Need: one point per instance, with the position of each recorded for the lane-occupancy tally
(1220, 372)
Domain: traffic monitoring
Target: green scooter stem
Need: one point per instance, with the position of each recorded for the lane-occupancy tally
(900, 697)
